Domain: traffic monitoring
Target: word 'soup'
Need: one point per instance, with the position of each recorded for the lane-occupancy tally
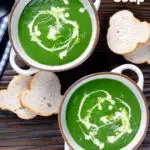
(136, 1)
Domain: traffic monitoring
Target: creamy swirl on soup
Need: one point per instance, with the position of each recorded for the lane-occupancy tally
(103, 114)
(115, 114)
(60, 16)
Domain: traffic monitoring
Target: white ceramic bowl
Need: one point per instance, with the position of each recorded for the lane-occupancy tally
(17, 47)
(115, 75)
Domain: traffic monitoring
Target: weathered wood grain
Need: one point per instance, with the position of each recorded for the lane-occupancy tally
(43, 133)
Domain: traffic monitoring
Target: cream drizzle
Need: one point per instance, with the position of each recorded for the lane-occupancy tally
(121, 114)
(66, 2)
(54, 31)
(82, 10)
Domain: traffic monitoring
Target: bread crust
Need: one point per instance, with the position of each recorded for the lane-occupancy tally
(138, 63)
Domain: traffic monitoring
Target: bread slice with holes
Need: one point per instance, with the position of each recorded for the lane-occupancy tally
(126, 32)
(140, 55)
(43, 95)
(10, 98)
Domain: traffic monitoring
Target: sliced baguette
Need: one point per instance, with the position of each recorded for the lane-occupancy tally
(44, 94)
(9, 99)
(140, 55)
(126, 32)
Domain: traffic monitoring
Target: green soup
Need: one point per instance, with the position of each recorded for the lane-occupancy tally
(103, 114)
(53, 32)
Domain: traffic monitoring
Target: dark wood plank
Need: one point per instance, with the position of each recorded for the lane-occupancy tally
(43, 133)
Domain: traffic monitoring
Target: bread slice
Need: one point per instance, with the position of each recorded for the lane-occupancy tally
(140, 55)
(43, 95)
(126, 32)
(9, 99)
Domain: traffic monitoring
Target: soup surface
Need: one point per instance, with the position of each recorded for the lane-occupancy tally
(103, 114)
(55, 32)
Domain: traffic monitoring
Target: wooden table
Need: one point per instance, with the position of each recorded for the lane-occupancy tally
(43, 133)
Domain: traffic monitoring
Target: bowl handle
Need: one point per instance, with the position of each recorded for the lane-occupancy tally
(12, 61)
(134, 68)
(97, 4)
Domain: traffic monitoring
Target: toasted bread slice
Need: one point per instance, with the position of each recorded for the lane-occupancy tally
(126, 32)
(44, 94)
(140, 55)
(9, 99)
